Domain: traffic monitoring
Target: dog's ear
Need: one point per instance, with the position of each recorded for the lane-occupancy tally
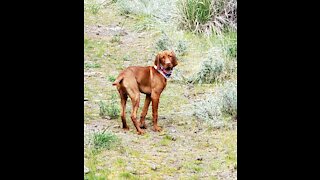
(157, 61)
(174, 59)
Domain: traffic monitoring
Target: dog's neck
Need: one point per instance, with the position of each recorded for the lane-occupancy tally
(162, 71)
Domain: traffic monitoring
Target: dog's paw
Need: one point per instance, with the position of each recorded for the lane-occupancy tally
(126, 128)
(156, 128)
(141, 132)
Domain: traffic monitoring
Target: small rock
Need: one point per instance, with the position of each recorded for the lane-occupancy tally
(199, 158)
(86, 170)
(173, 138)
(99, 26)
(107, 117)
(153, 167)
(97, 34)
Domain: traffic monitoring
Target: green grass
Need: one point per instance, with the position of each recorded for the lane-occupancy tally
(206, 16)
(194, 12)
(91, 65)
(94, 8)
(127, 175)
(193, 166)
(93, 162)
(103, 140)
(120, 162)
(94, 48)
(111, 78)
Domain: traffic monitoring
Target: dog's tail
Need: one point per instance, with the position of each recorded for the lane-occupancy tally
(118, 80)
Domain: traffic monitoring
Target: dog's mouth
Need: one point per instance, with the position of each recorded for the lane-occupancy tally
(169, 68)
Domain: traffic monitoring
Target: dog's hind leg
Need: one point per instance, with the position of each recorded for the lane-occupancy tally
(124, 98)
(145, 111)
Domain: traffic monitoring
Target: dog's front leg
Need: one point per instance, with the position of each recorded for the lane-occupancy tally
(155, 103)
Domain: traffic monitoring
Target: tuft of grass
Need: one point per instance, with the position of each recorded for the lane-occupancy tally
(194, 13)
(215, 166)
(126, 58)
(193, 167)
(103, 108)
(229, 45)
(93, 7)
(111, 78)
(207, 16)
(127, 175)
(95, 49)
(103, 140)
(120, 162)
(111, 109)
(232, 50)
(88, 65)
(166, 140)
(115, 39)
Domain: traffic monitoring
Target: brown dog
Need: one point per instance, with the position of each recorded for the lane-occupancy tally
(150, 80)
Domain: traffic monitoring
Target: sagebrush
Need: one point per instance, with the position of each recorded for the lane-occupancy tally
(218, 107)
(211, 69)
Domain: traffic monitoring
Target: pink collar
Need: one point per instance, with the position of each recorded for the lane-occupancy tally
(162, 71)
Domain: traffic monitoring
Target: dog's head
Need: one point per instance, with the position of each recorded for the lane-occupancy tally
(167, 59)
